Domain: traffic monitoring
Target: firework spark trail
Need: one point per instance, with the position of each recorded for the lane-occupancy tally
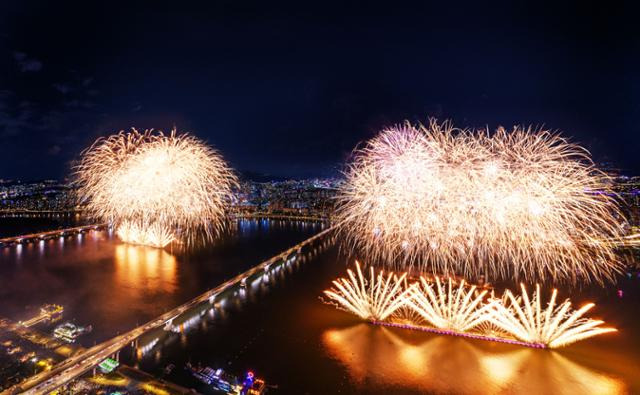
(555, 325)
(377, 298)
(463, 310)
(458, 308)
(524, 203)
(151, 234)
(154, 187)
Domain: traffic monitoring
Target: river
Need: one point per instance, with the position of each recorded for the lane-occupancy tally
(283, 331)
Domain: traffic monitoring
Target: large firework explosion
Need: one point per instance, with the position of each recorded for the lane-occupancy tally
(155, 188)
(524, 203)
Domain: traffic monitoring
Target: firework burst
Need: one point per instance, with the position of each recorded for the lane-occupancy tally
(155, 188)
(448, 306)
(455, 308)
(524, 203)
(376, 298)
(556, 325)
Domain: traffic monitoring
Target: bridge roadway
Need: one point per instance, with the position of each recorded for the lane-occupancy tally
(38, 212)
(75, 366)
(48, 234)
(282, 216)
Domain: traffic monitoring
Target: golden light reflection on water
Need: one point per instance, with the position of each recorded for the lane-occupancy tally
(145, 268)
(454, 365)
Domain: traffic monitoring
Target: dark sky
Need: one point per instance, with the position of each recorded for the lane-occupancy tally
(290, 89)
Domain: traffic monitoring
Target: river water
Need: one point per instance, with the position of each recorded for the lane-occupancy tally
(21, 224)
(282, 330)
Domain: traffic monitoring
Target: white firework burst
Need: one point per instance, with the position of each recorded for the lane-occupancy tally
(373, 299)
(555, 325)
(524, 203)
(448, 306)
(455, 308)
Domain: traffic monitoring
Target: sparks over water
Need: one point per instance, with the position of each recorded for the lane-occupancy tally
(456, 308)
(520, 204)
(155, 188)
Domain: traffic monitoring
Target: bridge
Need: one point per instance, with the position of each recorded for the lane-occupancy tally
(51, 234)
(23, 211)
(258, 215)
(75, 366)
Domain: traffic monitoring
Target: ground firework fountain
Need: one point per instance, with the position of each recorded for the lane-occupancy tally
(155, 188)
(455, 308)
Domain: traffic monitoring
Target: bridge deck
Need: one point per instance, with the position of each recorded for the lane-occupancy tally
(49, 234)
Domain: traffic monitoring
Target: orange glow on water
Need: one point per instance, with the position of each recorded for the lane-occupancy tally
(145, 268)
(453, 365)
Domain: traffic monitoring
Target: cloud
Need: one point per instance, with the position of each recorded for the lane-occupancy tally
(62, 88)
(4, 97)
(75, 103)
(18, 116)
(12, 125)
(25, 63)
(54, 150)
(51, 118)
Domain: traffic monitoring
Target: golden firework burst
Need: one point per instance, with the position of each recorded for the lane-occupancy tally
(155, 188)
(524, 203)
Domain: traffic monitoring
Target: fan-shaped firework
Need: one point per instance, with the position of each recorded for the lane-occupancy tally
(376, 298)
(463, 310)
(154, 187)
(448, 306)
(525, 203)
(553, 326)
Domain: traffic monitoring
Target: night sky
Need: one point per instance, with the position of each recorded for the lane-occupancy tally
(290, 89)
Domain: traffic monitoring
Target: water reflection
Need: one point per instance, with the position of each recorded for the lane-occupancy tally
(450, 364)
(145, 268)
(206, 314)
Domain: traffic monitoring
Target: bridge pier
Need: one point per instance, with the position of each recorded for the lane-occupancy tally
(167, 325)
